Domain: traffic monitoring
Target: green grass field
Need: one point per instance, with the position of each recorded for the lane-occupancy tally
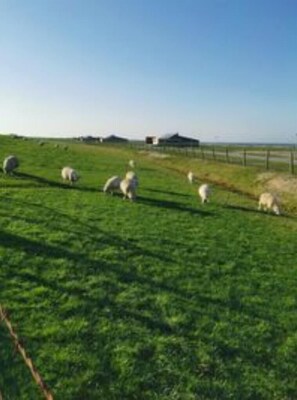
(162, 298)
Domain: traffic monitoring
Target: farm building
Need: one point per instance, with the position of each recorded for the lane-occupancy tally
(113, 139)
(151, 139)
(172, 139)
(88, 139)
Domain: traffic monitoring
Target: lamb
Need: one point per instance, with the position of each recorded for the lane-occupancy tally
(9, 164)
(112, 184)
(128, 188)
(131, 164)
(268, 201)
(69, 174)
(191, 177)
(204, 193)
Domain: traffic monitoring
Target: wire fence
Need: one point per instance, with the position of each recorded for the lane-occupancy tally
(277, 159)
(281, 158)
(21, 350)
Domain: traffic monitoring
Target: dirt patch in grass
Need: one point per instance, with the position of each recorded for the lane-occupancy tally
(278, 183)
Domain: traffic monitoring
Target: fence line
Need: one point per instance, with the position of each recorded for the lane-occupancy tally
(268, 159)
(28, 361)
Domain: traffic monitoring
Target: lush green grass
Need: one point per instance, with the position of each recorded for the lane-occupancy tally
(159, 299)
(240, 179)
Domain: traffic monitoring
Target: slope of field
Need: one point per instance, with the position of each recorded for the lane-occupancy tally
(159, 299)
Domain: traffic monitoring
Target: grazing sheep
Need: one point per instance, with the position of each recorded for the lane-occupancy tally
(191, 177)
(132, 164)
(69, 174)
(112, 184)
(132, 176)
(56, 146)
(268, 201)
(9, 164)
(204, 192)
(128, 188)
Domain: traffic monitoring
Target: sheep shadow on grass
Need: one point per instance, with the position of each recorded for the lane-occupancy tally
(173, 205)
(242, 208)
(255, 211)
(168, 192)
(49, 183)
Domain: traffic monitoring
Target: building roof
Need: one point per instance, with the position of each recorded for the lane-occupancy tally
(177, 136)
(169, 135)
(114, 137)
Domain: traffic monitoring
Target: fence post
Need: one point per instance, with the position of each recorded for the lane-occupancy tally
(202, 152)
(227, 155)
(244, 157)
(267, 159)
(292, 162)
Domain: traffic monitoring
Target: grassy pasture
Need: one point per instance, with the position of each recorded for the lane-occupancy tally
(159, 299)
(279, 158)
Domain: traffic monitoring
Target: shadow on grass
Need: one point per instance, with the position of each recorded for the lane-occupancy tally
(173, 205)
(114, 278)
(49, 183)
(73, 285)
(168, 192)
(242, 208)
(83, 228)
(256, 211)
(13, 385)
(35, 248)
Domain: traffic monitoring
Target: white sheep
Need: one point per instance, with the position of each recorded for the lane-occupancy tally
(132, 176)
(112, 184)
(131, 164)
(9, 164)
(204, 192)
(191, 177)
(69, 174)
(128, 188)
(268, 201)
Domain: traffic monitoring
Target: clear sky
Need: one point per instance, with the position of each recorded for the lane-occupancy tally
(221, 70)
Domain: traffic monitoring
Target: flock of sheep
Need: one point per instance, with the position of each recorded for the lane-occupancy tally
(267, 201)
(129, 184)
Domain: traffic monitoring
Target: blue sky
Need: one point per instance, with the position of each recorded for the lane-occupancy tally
(221, 70)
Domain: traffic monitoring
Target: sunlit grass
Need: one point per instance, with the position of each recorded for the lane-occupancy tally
(159, 299)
